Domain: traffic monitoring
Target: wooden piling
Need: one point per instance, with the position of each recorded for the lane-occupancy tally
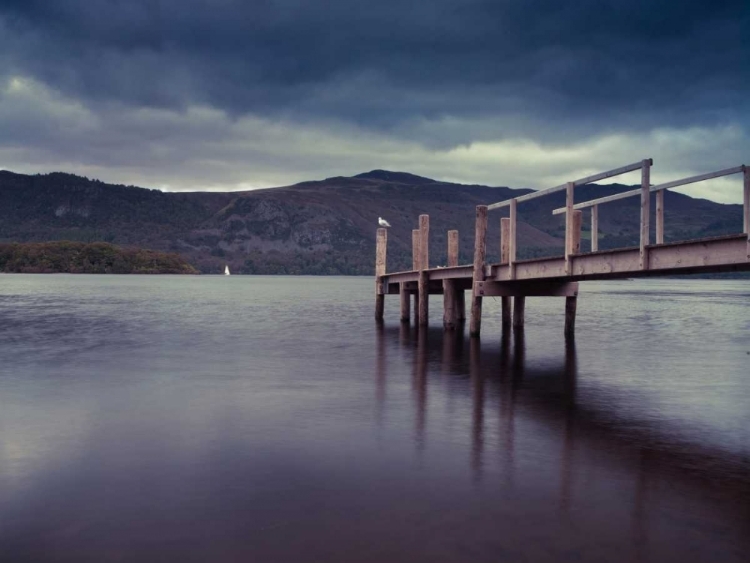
(519, 310)
(405, 302)
(660, 216)
(595, 228)
(381, 244)
(505, 259)
(645, 212)
(480, 255)
(416, 256)
(505, 305)
(450, 305)
(424, 298)
(571, 303)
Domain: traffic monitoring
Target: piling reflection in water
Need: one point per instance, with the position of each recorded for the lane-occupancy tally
(671, 487)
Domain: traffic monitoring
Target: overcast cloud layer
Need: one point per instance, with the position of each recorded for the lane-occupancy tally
(191, 94)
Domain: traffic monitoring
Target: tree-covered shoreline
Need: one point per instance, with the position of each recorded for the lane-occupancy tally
(88, 258)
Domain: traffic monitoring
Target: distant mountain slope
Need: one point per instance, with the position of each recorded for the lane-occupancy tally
(317, 227)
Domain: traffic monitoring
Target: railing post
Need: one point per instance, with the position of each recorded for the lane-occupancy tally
(568, 225)
(595, 228)
(450, 308)
(746, 205)
(575, 235)
(381, 244)
(505, 259)
(416, 256)
(660, 216)
(480, 254)
(512, 239)
(645, 213)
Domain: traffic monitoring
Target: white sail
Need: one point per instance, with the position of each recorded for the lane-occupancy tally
(226, 270)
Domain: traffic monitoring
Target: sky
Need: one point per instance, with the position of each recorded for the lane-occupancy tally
(232, 95)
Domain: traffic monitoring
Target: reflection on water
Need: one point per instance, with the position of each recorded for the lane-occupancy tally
(716, 482)
(268, 419)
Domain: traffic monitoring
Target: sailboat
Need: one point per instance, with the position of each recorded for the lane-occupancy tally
(226, 270)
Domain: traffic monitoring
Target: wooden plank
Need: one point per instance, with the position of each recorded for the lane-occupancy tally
(519, 309)
(645, 214)
(660, 217)
(424, 241)
(405, 297)
(480, 254)
(504, 240)
(579, 182)
(594, 228)
(571, 304)
(512, 240)
(423, 298)
(381, 244)
(725, 253)
(489, 288)
(569, 225)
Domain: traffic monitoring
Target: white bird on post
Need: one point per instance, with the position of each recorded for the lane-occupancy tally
(383, 223)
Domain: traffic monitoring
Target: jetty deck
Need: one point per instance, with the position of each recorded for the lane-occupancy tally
(558, 275)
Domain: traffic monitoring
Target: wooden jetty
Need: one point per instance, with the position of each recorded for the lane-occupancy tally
(558, 275)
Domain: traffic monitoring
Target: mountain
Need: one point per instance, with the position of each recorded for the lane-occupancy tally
(319, 227)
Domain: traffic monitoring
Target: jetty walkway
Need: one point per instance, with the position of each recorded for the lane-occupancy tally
(558, 275)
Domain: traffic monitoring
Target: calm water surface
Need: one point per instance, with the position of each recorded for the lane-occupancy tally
(269, 419)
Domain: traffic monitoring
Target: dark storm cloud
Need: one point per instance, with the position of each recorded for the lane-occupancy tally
(587, 65)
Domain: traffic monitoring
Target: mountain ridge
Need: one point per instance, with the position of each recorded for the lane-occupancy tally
(321, 226)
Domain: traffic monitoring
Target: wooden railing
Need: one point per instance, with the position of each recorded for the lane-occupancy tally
(508, 226)
(659, 190)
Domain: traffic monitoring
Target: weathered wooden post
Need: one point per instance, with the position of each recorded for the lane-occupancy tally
(505, 259)
(595, 228)
(405, 305)
(746, 204)
(512, 240)
(381, 244)
(480, 254)
(416, 256)
(424, 241)
(660, 217)
(423, 285)
(569, 226)
(519, 309)
(450, 309)
(645, 212)
(571, 302)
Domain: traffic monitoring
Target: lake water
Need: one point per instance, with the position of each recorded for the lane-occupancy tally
(269, 419)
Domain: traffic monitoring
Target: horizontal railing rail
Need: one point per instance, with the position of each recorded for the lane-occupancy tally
(656, 188)
(580, 182)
